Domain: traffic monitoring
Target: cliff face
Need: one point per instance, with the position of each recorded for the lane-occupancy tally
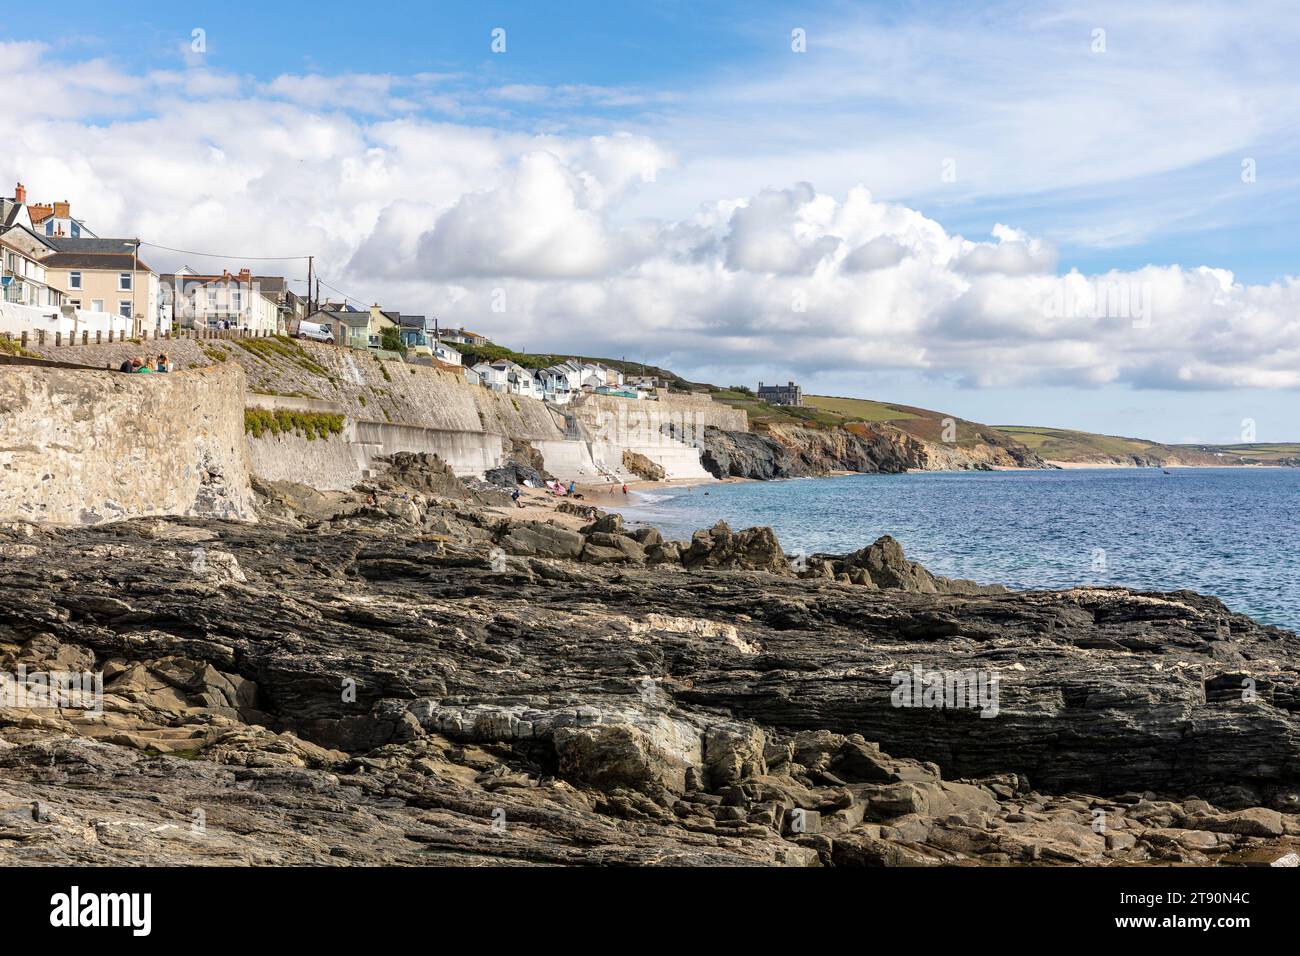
(786, 451)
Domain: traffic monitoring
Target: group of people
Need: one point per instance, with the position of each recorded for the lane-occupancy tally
(161, 364)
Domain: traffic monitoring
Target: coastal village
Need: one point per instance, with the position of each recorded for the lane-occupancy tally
(62, 280)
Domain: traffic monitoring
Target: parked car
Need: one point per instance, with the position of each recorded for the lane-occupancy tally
(315, 331)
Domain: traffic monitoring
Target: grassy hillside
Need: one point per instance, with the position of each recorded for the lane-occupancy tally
(1267, 454)
(1061, 444)
(922, 423)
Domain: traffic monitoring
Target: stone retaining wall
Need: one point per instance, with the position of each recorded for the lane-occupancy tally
(83, 446)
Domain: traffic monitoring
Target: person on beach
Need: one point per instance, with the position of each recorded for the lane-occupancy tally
(142, 366)
(625, 489)
(128, 365)
(164, 364)
(514, 496)
(570, 486)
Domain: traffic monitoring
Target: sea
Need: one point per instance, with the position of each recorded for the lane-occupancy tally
(1230, 532)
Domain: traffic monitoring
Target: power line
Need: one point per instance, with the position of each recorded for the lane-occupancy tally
(215, 255)
(338, 290)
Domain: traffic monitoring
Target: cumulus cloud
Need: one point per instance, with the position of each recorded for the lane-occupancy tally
(528, 237)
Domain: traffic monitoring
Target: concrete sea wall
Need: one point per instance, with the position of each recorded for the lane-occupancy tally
(83, 446)
(393, 406)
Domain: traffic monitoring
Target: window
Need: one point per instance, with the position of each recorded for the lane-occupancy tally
(124, 282)
(75, 303)
(124, 308)
(74, 280)
(96, 305)
(49, 227)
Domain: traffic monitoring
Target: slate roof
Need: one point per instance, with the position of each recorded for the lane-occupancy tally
(117, 262)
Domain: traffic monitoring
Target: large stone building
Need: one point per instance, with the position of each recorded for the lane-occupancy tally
(790, 394)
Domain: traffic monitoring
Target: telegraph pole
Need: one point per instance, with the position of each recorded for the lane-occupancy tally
(310, 310)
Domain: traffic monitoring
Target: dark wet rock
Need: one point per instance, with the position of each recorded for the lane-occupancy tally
(753, 549)
(471, 689)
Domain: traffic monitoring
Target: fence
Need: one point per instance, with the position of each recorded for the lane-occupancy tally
(41, 337)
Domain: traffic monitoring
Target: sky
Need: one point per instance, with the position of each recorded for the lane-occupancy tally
(1069, 214)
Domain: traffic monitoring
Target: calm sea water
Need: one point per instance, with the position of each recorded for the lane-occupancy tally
(1230, 532)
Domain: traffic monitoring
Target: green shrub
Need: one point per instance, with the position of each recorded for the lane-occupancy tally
(312, 425)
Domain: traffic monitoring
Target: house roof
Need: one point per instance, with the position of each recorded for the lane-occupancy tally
(68, 244)
(353, 318)
(35, 235)
(116, 262)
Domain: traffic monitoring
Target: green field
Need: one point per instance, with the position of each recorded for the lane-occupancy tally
(1062, 444)
(1264, 453)
(860, 409)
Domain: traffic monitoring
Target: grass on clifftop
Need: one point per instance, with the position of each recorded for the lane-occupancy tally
(312, 425)
(281, 346)
(11, 347)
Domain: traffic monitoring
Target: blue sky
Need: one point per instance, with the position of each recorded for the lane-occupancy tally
(395, 137)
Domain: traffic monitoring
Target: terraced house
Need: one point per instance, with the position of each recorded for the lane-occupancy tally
(244, 300)
(108, 275)
(22, 271)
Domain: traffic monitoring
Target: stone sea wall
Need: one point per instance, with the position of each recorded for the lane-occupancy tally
(82, 446)
(392, 406)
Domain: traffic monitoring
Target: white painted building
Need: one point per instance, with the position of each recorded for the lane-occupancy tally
(445, 353)
(208, 301)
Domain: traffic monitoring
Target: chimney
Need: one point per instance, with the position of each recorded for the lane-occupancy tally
(20, 194)
(245, 275)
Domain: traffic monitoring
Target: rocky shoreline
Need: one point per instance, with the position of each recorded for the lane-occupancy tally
(409, 674)
(867, 448)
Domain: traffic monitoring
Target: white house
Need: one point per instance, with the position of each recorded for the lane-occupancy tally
(445, 353)
(522, 382)
(560, 383)
(494, 376)
(206, 301)
(22, 273)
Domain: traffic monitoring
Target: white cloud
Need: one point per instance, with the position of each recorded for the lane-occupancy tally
(433, 217)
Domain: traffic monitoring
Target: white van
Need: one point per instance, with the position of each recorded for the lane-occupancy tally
(315, 332)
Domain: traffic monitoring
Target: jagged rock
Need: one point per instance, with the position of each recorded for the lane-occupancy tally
(882, 565)
(753, 549)
(513, 474)
(541, 540)
(733, 754)
(374, 692)
(604, 548)
(619, 755)
(642, 467)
